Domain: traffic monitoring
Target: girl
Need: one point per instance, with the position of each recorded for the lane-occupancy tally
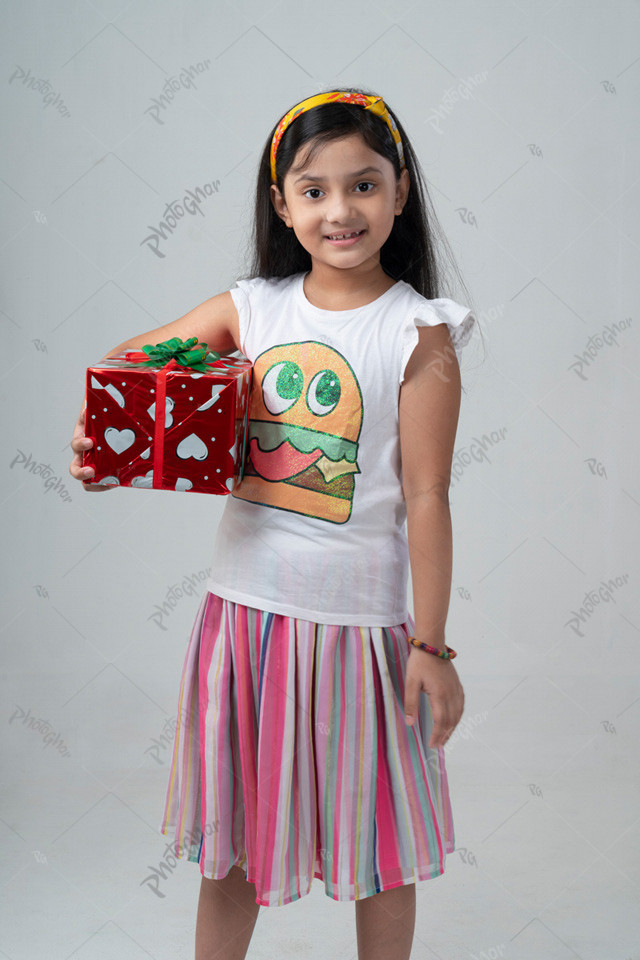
(304, 747)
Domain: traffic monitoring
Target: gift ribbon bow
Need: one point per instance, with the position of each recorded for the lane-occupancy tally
(175, 353)
(169, 355)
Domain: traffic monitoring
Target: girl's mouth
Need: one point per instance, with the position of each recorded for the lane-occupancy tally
(345, 239)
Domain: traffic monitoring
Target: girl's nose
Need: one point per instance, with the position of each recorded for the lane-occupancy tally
(339, 208)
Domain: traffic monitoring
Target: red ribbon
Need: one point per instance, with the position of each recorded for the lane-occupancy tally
(161, 395)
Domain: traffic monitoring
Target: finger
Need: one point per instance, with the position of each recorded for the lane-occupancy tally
(82, 473)
(446, 731)
(452, 718)
(76, 468)
(78, 444)
(441, 729)
(447, 713)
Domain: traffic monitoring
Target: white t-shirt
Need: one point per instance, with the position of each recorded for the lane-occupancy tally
(317, 527)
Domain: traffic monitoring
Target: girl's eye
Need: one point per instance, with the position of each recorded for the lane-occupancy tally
(317, 189)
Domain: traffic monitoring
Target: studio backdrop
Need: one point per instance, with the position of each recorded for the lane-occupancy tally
(132, 132)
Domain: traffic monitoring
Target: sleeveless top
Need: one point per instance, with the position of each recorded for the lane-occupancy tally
(317, 527)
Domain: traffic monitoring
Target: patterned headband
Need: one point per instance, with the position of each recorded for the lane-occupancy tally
(375, 104)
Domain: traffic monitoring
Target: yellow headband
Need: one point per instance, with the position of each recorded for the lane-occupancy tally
(375, 104)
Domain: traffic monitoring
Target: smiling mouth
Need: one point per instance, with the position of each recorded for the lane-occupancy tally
(282, 463)
(344, 236)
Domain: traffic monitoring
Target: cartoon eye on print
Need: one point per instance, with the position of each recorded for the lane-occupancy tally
(323, 393)
(283, 384)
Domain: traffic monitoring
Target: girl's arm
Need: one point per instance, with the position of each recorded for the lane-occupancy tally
(215, 322)
(428, 414)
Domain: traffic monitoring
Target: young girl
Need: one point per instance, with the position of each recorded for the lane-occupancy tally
(304, 747)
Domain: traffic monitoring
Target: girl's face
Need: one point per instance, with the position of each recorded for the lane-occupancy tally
(347, 188)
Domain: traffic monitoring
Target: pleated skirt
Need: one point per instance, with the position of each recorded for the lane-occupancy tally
(292, 758)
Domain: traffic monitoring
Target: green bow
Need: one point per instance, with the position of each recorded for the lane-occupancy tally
(184, 352)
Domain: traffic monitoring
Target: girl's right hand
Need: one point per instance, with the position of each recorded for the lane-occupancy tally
(78, 444)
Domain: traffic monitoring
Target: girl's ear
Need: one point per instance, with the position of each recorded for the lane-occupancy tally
(279, 204)
(402, 190)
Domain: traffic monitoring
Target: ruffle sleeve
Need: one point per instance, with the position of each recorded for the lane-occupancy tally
(241, 295)
(458, 318)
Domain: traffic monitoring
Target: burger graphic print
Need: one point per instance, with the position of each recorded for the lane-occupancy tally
(305, 418)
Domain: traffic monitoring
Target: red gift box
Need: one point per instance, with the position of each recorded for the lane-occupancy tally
(198, 445)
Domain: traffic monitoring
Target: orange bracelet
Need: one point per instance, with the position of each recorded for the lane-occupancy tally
(447, 654)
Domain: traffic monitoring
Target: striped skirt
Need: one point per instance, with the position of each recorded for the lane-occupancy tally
(292, 758)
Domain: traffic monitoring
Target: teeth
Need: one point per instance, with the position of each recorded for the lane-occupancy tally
(344, 236)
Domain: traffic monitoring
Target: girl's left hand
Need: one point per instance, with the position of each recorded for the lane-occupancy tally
(438, 678)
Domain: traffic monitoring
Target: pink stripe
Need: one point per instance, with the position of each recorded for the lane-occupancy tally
(270, 762)
(247, 748)
(358, 753)
(366, 806)
(204, 663)
(341, 722)
(388, 853)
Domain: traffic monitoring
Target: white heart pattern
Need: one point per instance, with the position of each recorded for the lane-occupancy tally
(108, 480)
(182, 484)
(216, 390)
(146, 453)
(119, 440)
(192, 446)
(169, 404)
(143, 481)
(113, 391)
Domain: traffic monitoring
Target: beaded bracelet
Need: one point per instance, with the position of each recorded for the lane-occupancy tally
(447, 654)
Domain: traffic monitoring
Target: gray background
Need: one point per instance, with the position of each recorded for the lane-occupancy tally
(524, 117)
